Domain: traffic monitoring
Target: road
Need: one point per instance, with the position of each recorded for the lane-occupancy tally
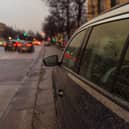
(13, 68)
(14, 65)
(26, 100)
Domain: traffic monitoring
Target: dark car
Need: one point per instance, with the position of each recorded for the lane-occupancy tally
(91, 80)
(25, 46)
(10, 45)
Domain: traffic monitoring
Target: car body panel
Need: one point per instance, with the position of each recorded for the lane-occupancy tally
(82, 107)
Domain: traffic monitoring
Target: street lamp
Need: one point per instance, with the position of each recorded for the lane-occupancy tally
(10, 38)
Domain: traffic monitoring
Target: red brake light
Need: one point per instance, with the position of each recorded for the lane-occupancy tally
(28, 45)
(14, 44)
(19, 44)
(38, 43)
(5, 44)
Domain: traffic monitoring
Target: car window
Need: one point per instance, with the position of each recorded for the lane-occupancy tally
(73, 50)
(103, 52)
(121, 87)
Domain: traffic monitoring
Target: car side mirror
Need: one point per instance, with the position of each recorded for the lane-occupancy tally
(51, 60)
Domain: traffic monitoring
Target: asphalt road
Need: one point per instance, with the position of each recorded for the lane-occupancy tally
(13, 65)
(27, 102)
(13, 68)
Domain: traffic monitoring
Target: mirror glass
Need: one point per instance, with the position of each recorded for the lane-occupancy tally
(51, 60)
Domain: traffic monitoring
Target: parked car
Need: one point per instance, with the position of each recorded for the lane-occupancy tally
(10, 45)
(25, 46)
(91, 80)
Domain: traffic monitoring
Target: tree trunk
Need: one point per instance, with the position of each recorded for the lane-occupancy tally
(68, 24)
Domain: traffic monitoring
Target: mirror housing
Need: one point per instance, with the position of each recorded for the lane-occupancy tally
(51, 60)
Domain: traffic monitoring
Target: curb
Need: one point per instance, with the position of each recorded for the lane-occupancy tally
(28, 72)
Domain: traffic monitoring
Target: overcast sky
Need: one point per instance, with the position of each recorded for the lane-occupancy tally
(23, 14)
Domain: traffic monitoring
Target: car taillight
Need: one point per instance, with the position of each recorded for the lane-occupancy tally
(39, 43)
(15, 45)
(28, 45)
(19, 44)
(5, 44)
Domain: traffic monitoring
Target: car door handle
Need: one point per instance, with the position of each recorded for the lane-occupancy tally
(60, 93)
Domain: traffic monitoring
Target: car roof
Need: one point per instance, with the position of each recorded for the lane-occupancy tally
(28, 41)
(13, 40)
(23, 41)
(109, 15)
(10, 41)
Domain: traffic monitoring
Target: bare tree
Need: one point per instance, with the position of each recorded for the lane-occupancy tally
(80, 4)
(65, 15)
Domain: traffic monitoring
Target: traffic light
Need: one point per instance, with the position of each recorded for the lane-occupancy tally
(25, 34)
(18, 39)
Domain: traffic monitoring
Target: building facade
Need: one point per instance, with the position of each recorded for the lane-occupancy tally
(96, 7)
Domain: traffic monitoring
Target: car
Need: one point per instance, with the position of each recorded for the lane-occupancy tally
(47, 43)
(25, 46)
(10, 45)
(91, 78)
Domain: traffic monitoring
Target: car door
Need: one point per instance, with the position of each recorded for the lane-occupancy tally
(95, 97)
(63, 85)
(104, 76)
